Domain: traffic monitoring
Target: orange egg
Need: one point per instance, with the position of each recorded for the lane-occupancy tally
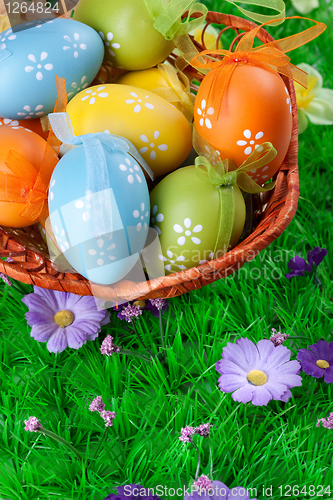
(255, 108)
(32, 147)
(33, 125)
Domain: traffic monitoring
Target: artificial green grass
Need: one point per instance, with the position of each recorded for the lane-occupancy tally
(254, 447)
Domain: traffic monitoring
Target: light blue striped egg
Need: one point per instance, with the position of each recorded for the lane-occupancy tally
(105, 258)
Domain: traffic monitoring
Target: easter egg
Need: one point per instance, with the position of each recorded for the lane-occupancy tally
(154, 79)
(32, 58)
(255, 109)
(187, 229)
(33, 125)
(32, 147)
(126, 27)
(107, 257)
(157, 129)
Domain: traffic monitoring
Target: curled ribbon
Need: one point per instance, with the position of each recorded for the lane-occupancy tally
(26, 184)
(227, 179)
(97, 175)
(176, 92)
(167, 16)
(270, 56)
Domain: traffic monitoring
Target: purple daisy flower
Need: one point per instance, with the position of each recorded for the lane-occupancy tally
(63, 319)
(258, 373)
(217, 491)
(131, 492)
(317, 360)
(299, 266)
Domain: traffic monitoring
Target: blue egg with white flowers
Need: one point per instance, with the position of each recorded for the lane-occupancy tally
(30, 60)
(104, 255)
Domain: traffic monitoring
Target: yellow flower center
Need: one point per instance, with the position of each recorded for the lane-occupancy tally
(141, 303)
(322, 363)
(64, 318)
(305, 96)
(257, 377)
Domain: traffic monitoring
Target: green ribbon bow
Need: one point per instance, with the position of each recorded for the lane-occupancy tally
(167, 16)
(227, 178)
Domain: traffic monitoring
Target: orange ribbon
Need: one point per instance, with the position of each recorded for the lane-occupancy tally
(270, 56)
(26, 184)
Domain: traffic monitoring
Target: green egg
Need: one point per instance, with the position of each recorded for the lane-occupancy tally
(185, 211)
(126, 27)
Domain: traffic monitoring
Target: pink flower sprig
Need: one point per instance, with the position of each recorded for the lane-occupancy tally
(108, 347)
(327, 423)
(33, 425)
(278, 337)
(98, 405)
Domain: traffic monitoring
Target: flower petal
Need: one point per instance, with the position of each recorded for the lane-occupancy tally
(75, 337)
(230, 382)
(261, 396)
(57, 341)
(244, 394)
(320, 112)
(303, 122)
(42, 331)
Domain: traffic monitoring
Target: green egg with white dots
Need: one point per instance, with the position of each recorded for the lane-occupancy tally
(185, 211)
(126, 27)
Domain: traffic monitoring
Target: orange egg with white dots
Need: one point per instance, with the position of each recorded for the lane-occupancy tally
(255, 108)
(34, 125)
(31, 147)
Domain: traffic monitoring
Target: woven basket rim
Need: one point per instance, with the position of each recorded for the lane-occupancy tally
(276, 219)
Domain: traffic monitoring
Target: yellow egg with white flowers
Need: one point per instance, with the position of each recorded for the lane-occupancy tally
(158, 130)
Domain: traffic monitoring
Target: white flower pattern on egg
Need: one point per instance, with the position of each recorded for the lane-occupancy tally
(202, 112)
(99, 252)
(131, 171)
(137, 107)
(161, 147)
(39, 74)
(288, 100)
(75, 44)
(9, 122)
(250, 143)
(80, 204)
(5, 38)
(172, 260)
(108, 44)
(30, 114)
(187, 223)
(63, 244)
(77, 88)
(91, 94)
(211, 255)
(144, 214)
(158, 217)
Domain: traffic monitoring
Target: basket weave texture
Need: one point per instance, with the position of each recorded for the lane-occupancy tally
(31, 263)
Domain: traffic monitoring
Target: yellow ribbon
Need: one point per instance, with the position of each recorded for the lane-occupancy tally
(176, 92)
(227, 178)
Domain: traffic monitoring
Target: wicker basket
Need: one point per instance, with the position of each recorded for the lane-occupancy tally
(31, 262)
